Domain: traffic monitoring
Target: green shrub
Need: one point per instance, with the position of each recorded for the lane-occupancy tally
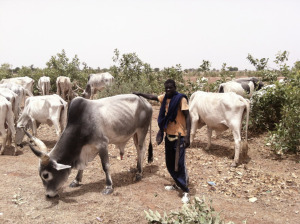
(197, 212)
(286, 136)
(278, 111)
(266, 106)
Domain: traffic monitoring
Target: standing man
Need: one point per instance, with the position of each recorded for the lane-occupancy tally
(174, 120)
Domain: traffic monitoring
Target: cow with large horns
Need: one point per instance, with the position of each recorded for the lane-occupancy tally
(220, 111)
(91, 126)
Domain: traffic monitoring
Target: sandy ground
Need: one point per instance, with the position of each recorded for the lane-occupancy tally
(273, 181)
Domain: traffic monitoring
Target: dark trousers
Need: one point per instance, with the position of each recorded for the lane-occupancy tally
(180, 177)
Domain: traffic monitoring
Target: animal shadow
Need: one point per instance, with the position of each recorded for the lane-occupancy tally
(120, 179)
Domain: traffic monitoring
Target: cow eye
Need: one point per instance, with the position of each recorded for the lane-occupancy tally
(46, 176)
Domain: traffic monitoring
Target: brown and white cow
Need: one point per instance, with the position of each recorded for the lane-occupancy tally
(48, 109)
(25, 82)
(243, 86)
(220, 111)
(64, 88)
(6, 119)
(44, 85)
(91, 126)
(97, 82)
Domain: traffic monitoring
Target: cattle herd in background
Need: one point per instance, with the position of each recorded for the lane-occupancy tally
(93, 124)
(20, 109)
(52, 109)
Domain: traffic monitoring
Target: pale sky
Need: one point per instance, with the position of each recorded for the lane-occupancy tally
(162, 33)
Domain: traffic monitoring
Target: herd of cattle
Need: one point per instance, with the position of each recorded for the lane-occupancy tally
(85, 126)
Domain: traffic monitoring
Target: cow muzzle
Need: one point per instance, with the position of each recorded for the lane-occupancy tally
(52, 194)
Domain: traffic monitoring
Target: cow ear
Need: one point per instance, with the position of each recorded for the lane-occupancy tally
(59, 166)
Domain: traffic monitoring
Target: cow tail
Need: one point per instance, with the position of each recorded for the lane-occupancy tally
(150, 148)
(247, 118)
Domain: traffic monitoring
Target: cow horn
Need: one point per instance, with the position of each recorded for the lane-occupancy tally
(37, 141)
(45, 159)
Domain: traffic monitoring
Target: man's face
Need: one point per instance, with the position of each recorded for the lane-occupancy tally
(170, 89)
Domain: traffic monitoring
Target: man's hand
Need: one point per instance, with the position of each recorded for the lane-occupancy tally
(136, 93)
(159, 137)
(147, 96)
(187, 141)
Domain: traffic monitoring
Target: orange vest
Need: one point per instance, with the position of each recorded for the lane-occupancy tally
(174, 128)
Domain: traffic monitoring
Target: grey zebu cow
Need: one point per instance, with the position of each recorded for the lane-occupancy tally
(97, 82)
(6, 118)
(243, 86)
(25, 82)
(64, 88)
(48, 109)
(220, 111)
(44, 85)
(91, 126)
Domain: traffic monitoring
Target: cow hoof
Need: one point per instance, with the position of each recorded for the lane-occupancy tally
(107, 190)
(233, 164)
(74, 184)
(138, 177)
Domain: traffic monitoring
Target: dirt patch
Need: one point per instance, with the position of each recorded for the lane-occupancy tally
(273, 181)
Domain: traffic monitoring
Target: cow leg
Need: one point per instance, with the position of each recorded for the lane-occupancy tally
(139, 141)
(57, 126)
(194, 125)
(4, 135)
(33, 127)
(209, 133)
(9, 137)
(92, 93)
(103, 153)
(78, 178)
(237, 146)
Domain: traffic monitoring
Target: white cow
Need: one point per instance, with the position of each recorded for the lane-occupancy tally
(97, 82)
(243, 86)
(220, 111)
(17, 89)
(64, 88)
(44, 85)
(6, 118)
(26, 82)
(13, 98)
(48, 109)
